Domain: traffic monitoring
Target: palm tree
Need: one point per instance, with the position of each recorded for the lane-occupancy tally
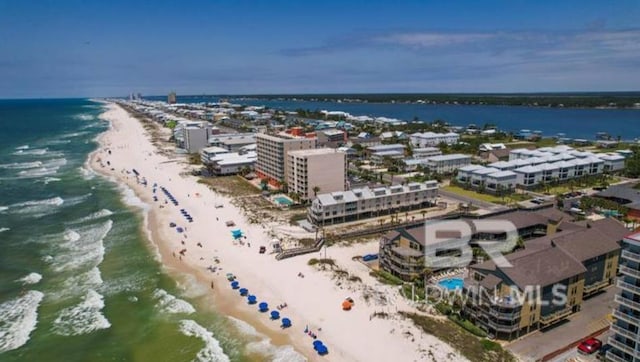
(315, 189)
(423, 212)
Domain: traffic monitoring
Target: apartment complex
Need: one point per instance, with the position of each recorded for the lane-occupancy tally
(362, 203)
(626, 326)
(222, 162)
(427, 139)
(192, 136)
(272, 153)
(316, 170)
(447, 163)
(425, 152)
(546, 281)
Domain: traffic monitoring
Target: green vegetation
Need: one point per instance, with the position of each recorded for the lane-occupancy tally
(171, 124)
(582, 99)
(230, 185)
(468, 325)
(194, 159)
(469, 345)
(632, 165)
(386, 277)
(487, 197)
(322, 261)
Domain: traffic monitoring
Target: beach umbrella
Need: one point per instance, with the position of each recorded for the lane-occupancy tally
(244, 291)
(179, 229)
(263, 306)
(286, 322)
(235, 284)
(275, 314)
(317, 343)
(252, 299)
(346, 305)
(322, 350)
(172, 224)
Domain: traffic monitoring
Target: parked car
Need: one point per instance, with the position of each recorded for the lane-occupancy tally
(589, 346)
(370, 257)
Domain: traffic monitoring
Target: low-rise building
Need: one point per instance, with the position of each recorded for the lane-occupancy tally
(208, 153)
(447, 163)
(427, 139)
(372, 150)
(234, 163)
(426, 152)
(362, 203)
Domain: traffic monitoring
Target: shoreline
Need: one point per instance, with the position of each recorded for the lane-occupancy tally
(313, 301)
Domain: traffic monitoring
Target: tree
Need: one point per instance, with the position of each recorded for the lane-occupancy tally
(284, 186)
(315, 189)
(632, 164)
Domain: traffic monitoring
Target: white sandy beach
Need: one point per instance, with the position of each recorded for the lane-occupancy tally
(313, 300)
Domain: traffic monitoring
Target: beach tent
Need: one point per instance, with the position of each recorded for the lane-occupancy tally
(286, 322)
(275, 314)
(346, 305)
(235, 284)
(263, 307)
(252, 299)
(244, 291)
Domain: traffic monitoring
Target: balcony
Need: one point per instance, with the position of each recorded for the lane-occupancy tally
(504, 315)
(629, 271)
(595, 287)
(615, 358)
(627, 302)
(621, 346)
(626, 317)
(623, 332)
(631, 255)
(550, 318)
(504, 327)
(628, 286)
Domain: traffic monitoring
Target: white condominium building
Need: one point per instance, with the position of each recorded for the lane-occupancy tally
(316, 170)
(427, 139)
(447, 163)
(361, 203)
(272, 154)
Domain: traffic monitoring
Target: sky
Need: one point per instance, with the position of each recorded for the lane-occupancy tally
(73, 48)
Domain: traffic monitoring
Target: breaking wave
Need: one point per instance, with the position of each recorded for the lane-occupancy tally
(212, 350)
(18, 318)
(93, 216)
(21, 165)
(31, 278)
(168, 303)
(83, 247)
(85, 317)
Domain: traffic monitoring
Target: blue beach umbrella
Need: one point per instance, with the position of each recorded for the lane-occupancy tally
(322, 350)
(235, 284)
(244, 291)
(252, 299)
(286, 322)
(275, 314)
(263, 307)
(317, 343)
(179, 229)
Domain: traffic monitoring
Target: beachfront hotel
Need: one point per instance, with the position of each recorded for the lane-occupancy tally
(362, 203)
(625, 341)
(319, 169)
(427, 139)
(272, 150)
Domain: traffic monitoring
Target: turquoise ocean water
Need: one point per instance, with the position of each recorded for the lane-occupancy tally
(78, 279)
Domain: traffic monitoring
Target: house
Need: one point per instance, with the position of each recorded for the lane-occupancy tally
(386, 148)
(431, 139)
(425, 152)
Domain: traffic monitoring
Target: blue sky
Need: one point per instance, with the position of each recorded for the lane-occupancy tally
(111, 48)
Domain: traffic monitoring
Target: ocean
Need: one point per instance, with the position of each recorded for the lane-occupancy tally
(79, 280)
(573, 122)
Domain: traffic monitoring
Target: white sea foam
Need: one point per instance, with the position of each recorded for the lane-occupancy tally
(82, 247)
(21, 165)
(93, 216)
(212, 350)
(85, 317)
(4, 229)
(75, 200)
(78, 284)
(54, 162)
(57, 142)
(168, 303)
(31, 278)
(74, 134)
(18, 318)
(34, 207)
(47, 180)
(84, 116)
(129, 197)
(23, 147)
(35, 151)
(86, 173)
(263, 346)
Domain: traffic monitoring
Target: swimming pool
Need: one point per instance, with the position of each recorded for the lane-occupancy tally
(281, 200)
(451, 283)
